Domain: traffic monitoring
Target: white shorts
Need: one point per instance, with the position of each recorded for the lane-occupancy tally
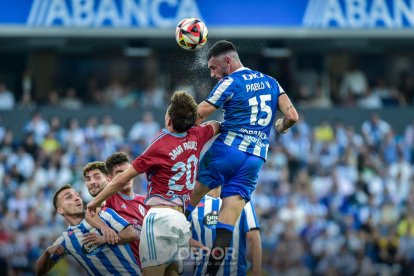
(164, 233)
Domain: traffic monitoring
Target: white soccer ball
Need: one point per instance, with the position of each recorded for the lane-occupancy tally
(191, 34)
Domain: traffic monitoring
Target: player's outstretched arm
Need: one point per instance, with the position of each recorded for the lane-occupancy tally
(117, 183)
(290, 117)
(204, 110)
(46, 262)
(127, 235)
(255, 248)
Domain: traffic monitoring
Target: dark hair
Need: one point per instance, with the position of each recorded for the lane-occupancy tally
(220, 47)
(93, 166)
(182, 111)
(55, 196)
(114, 159)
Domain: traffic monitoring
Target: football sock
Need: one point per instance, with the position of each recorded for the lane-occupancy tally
(224, 234)
(188, 211)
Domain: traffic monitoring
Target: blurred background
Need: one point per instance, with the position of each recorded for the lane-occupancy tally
(81, 79)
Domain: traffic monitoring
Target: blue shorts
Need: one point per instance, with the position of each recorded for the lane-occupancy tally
(235, 170)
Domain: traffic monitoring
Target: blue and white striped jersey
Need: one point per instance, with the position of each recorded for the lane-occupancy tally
(99, 260)
(249, 100)
(203, 222)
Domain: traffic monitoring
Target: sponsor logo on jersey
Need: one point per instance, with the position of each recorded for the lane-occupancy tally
(90, 248)
(141, 209)
(210, 220)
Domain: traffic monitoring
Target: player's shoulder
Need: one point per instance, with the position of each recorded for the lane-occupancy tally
(201, 131)
(158, 137)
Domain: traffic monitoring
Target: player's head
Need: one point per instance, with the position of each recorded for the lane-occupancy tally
(222, 59)
(67, 201)
(182, 112)
(96, 177)
(117, 163)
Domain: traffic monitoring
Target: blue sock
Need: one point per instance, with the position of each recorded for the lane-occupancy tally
(225, 226)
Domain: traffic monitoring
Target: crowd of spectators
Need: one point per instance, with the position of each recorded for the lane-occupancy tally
(348, 83)
(332, 199)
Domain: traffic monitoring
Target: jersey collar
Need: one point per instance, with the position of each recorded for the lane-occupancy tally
(127, 197)
(241, 69)
(175, 134)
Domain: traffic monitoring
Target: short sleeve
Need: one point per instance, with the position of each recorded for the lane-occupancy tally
(251, 222)
(113, 220)
(61, 241)
(221, 92)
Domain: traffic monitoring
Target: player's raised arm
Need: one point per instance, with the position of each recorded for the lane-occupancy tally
(127, 235)
(117, 183)
(290, 114)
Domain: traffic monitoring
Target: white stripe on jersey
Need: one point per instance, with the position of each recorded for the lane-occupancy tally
(244, 144)
(115, 224)
(106, 259)
(220, 89)
(208, 208)
(230, 138)
(257, 150)
(71, 249)
(280, 88)
(267, 150)
(127, 255)
(250, 218)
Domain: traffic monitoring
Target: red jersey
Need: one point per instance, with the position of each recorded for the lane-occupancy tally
(133, 210)
(170, 163)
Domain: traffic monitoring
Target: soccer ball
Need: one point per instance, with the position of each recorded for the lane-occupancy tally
(191, 34)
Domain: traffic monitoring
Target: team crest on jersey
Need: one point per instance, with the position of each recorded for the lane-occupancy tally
(141, 209)
(90, 248)
(210, 220)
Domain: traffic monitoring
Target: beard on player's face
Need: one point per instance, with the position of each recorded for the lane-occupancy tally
(95, 188)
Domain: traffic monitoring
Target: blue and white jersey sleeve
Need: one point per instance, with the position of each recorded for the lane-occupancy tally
(221, 92)
(251, 222)
(61, 242)
(113, 220)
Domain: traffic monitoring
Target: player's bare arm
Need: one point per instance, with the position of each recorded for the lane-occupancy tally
(116, 184)
(45, 262)
(255, 250)
(290, 117)
(127, 235)
(109, 235)
(204, 110)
